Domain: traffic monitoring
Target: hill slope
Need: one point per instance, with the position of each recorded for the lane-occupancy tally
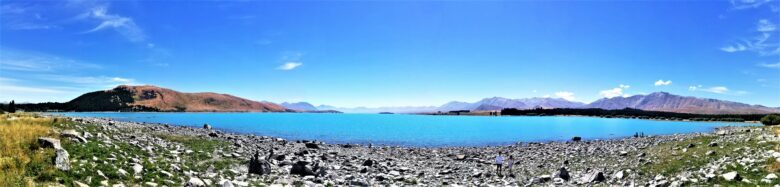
(152, 98)
(662, 101)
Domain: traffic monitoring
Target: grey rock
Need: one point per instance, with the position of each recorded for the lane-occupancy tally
(194, 182)
(369, 163)
(312, 146)
(594, 177)
(301, 168)
(49, 142)
(61, 160)
(137, 168)
(731, 176)
(70, 133)
(563, 174)
(259, 166)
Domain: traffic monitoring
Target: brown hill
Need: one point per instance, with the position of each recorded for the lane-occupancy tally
(152, 98)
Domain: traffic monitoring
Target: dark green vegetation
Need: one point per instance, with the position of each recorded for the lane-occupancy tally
(115, 100)
(10, 107)
(633, 113)
(771, 119)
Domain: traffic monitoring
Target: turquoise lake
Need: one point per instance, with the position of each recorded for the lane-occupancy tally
(417, 130)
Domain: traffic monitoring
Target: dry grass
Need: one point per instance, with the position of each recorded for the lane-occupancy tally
(773, 165)
(18, 142)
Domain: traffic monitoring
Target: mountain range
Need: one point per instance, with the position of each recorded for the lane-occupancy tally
(663, 101)
(153, 98)
(658, 101)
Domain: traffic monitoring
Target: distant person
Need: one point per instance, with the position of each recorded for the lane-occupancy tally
(510, 163)
(499, 163)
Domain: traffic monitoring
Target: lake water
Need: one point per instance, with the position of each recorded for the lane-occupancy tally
(418, 130)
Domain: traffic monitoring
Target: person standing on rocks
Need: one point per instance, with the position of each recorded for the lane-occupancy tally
(509, 165)
(499, 163)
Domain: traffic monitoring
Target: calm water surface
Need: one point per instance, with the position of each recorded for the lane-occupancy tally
(417, 130)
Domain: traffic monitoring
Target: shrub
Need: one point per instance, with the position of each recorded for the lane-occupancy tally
(771, 119)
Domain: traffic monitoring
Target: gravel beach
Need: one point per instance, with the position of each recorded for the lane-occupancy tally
(167, 155)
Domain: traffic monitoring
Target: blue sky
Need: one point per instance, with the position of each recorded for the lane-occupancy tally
(399, 53)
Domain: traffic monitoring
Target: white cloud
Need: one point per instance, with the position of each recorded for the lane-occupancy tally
(614, 92)
(733, 48)
(124, 25)
(766, 65)
(694, 88)
(765, 25)
(661, 82)
(565, 95)
(289, 66)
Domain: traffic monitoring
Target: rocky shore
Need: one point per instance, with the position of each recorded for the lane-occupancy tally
(104, 152)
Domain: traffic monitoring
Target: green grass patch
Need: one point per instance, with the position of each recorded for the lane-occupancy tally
(671, 160)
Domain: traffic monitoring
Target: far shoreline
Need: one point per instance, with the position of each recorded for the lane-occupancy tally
(611, 137)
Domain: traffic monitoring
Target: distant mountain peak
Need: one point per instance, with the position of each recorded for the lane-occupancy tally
(299, 106)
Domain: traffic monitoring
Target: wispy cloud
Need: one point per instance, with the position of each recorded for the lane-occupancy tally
(24, 17)
(289, 66)
(734, 48)
(716, 89)
(8, 85)
(36, 77)
(15, 60)
(748, 4)
(124, 25)
(768, 65)
(569, 96)
(99, 81)
(765, 25)
(759, 43)
(661, 82)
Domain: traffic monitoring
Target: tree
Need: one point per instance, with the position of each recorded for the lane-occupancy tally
(11, 107)
(771, 119)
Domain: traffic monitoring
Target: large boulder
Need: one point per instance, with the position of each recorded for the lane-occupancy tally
(563, 174)
(732, 176)
(70, 133)
(258, 165)
(311, 145)
(47, 142)
(369, 163)
(594, 177)
(206, 126)
(61, 160)
(301, 168)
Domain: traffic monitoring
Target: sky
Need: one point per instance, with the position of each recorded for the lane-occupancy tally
(393, 53)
